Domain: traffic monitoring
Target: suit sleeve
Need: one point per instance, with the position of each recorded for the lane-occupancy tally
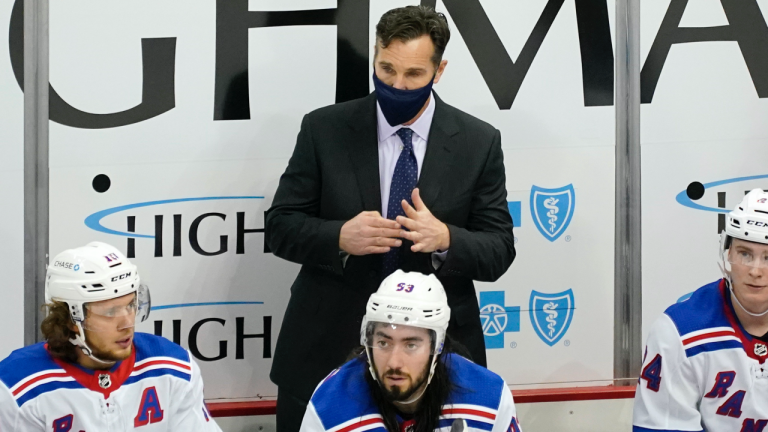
(506, 417)
(13, 418)
(667, 393)
(191, 413)
(484, 249)
(292, 229)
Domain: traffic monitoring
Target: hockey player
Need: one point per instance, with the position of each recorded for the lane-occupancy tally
(405, 377)
(704, 366)
(93, 373)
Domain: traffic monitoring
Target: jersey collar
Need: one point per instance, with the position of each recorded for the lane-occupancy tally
(101, 381)
(752, 346)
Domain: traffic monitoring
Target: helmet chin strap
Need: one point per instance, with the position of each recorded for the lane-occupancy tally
(429, 380)
(415, 398)
(730, 287)
(79, 341)
(725, 268)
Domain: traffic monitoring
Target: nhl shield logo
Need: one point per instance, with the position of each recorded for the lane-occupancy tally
(551, 314)
(761, 350)
(104, 381)
(552, 210)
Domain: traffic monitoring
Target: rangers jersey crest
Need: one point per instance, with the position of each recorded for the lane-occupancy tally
(158, 388)
(702, 371)
(342, 402)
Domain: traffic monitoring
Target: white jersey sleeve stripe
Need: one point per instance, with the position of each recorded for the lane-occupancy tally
(467, 416)
(711, 340)
(161, 361)
(707, 330)
(32, 378)
(41, 382)
(708, 335)
(160, 366)
(356, 423)
(471, 407)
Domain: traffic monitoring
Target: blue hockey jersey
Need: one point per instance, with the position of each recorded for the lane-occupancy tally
(343, 402)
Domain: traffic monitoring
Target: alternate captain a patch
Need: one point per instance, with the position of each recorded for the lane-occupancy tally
(149, 409)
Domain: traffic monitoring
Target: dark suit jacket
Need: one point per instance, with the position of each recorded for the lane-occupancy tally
(332, 176)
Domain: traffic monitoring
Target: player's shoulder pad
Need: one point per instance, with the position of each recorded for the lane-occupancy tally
(157, 356)
(149, 346)
(703, 310)
(344, 394)
(702, 323)
(473, 384)
(30, 371)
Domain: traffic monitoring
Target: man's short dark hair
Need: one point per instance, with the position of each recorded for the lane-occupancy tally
(412, 22)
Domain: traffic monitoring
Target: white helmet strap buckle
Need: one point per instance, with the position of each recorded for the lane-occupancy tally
(79, 341)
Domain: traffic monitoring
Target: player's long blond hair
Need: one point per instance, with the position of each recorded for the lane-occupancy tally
(57, 331)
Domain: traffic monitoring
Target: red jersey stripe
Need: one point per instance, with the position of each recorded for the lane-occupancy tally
(41, 377)
(161, 362)
(708, 336)
(361, 424)
(470, 412)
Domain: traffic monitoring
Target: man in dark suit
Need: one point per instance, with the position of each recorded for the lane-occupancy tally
(397, 179)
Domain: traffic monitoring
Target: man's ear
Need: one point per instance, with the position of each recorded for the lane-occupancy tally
(440, 70)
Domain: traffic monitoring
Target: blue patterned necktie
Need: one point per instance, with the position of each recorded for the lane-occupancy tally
(403, 182)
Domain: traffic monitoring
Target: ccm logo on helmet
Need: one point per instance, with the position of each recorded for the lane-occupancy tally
(757, 223)
(402, 308)
(122, 276)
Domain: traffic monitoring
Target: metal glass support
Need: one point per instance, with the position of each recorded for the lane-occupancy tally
(35, 164)
(627, 348)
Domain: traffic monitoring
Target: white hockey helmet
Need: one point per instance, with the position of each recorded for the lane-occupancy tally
(408, 299)
(749, 222)
(93, 273)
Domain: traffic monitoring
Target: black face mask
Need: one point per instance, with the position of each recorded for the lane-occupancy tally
(400, 106)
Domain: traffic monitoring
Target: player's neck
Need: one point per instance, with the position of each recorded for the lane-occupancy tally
(408, 408)
(754, 325)
(413, 406)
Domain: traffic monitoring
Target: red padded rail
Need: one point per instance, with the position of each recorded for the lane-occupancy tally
(253, 408)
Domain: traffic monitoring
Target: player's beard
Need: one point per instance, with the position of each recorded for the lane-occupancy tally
(101, 352)
(396, 393)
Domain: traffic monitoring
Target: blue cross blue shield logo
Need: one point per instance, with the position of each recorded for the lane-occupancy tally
(552, 209)
(515, 211)
(551, 314)
(497, 319)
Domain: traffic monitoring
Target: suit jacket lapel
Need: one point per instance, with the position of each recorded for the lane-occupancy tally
(363, 150)
(442, 142)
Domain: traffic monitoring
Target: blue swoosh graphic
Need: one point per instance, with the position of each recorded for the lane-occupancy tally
(683, 198)
(183, 305)
(94, 221)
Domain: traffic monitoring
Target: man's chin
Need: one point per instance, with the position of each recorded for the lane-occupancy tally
(116, 355)
(399, 393)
